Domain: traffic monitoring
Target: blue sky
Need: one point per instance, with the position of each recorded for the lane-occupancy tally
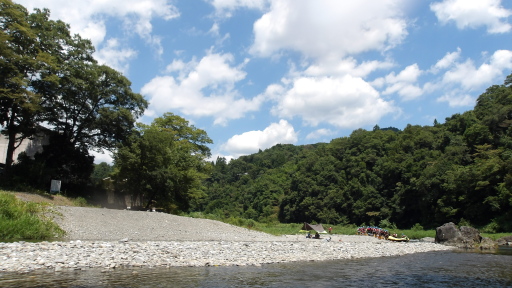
(255, 73)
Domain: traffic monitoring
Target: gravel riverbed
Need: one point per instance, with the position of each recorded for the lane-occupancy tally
(107, 239)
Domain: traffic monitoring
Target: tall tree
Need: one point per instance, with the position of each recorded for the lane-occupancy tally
(165, 162)
(51, 77)
(94, 107)
(20, 61)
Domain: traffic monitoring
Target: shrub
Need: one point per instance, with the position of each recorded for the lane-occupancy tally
(20, 220)
(386, 224)
(492, 227)
(80, 202)
(464, 222)
(417, 227)
(251, 223)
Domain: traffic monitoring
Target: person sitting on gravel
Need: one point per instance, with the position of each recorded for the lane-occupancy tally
(317, 236)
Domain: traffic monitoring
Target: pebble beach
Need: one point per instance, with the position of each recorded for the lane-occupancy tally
(109, 239)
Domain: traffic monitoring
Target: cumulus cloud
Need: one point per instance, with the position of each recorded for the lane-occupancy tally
(203, 88)
(446, 62)
(404, 84)
(319, 134)
(470, 77)
(225, 8)
(250, 142)
(329, 29)
(456, 78)
(346, 66)
(457, 98)
(115, 56)
(473, 14)
(88, 19)
(346, 102)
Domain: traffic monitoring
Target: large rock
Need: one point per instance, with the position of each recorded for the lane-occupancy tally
(507, 240)
(488, 243)
(470, 234)
(464, 237)
(447, 232)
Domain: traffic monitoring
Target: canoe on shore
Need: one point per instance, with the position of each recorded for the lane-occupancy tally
(403, 239)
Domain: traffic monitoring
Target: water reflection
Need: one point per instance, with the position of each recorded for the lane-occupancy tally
(435, 269)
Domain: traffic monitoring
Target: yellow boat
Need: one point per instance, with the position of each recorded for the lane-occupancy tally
(403, 239)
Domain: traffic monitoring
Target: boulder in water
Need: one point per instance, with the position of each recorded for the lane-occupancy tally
(447, 232)
(464, 237)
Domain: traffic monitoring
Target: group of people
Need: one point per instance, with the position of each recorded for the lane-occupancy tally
(373, 231)
(317, 236)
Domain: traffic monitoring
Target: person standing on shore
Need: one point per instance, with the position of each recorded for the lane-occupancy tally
(330, 230)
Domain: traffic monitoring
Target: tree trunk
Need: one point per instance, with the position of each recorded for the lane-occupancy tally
(150, 201)
(11, 145)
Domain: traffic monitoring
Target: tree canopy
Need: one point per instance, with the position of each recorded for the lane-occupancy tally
(458, 171)
(49, 78)
(163, 163)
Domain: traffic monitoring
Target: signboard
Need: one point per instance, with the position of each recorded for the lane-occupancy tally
(55, 187)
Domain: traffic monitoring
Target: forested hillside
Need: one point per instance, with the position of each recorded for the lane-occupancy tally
(460, 170)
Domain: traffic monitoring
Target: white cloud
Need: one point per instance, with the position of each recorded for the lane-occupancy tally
(404, 84)
(87, 18)
(410, 74)
(473, 14)
(454, 99)
(94, 31)
(329, 29)
(446, 62)
(457, 80)
(103, 156)
(469, 77)
(215, 29)
(225, 8)
(319, 133)
(250, 142)
(346, 102)
(114, 56)
(202, 88)
(346, 66)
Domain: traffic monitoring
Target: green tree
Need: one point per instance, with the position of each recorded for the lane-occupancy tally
(96, 108)
(494, 110)
(21, 60)
(50, 77)
(164, 163)
(101, 171)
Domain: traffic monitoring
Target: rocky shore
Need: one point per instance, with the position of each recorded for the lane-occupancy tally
(108, 239)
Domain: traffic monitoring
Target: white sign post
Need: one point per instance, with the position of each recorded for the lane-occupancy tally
(55, 187)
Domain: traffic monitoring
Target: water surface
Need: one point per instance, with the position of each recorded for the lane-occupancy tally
(432, 269)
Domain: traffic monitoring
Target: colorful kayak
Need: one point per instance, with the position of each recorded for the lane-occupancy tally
(403, 239)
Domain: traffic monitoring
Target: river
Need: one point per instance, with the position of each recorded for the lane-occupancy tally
(432, 269)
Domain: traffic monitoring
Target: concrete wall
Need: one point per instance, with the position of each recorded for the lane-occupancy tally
(30, 147)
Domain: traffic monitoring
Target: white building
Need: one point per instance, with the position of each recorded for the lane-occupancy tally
(29, 146)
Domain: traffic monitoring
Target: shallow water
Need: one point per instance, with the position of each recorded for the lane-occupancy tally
(433, 269)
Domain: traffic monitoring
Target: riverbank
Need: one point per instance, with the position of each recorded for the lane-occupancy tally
(79, 255)
(108, 239)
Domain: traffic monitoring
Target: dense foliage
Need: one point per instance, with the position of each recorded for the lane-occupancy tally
(457, 171)
(50, 84)
(163, 164)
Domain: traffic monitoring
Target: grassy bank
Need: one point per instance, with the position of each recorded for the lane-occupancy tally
(293, 228)
(24, 220)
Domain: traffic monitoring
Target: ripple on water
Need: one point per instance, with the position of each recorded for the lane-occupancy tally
(432, 269)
